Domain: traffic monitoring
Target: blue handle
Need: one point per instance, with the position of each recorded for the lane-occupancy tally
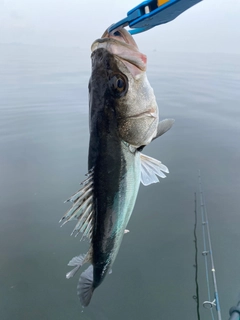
(151, 13)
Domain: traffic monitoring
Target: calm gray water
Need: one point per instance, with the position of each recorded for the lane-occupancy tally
(43, 157)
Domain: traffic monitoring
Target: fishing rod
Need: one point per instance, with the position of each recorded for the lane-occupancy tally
(196, 297)
(234, 312)
(208, 252)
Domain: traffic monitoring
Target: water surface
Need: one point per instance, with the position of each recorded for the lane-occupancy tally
(44, 141)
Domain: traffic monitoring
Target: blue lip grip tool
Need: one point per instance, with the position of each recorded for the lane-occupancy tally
(151, 13)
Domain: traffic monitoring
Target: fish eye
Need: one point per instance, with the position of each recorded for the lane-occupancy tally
(118, 84)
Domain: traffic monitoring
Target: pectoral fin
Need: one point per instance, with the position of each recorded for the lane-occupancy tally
(150, 169)
(164, 126)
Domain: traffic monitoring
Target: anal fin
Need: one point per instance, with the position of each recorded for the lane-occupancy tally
(76, 262)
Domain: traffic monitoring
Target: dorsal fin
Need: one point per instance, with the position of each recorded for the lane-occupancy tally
(82, 208)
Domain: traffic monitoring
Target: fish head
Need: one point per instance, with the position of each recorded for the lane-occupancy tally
(119, 78)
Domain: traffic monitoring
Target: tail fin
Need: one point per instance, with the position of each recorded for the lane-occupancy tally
(85, 286)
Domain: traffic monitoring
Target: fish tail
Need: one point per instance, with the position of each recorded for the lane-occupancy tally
(85, 286)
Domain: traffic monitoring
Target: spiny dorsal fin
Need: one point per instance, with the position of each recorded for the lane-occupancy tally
(82, 208)
(150, 169)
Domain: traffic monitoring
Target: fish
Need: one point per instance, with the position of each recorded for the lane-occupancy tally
(123, 119)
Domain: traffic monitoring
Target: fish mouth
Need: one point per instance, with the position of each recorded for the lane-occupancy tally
(120, 43)
(121, 35)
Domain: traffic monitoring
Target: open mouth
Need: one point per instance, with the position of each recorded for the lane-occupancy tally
(120, 43)
(122, 35)
(118, 36)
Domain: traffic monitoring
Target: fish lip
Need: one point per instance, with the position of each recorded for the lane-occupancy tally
(113, 40)
(121, 35)
(124, 39)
